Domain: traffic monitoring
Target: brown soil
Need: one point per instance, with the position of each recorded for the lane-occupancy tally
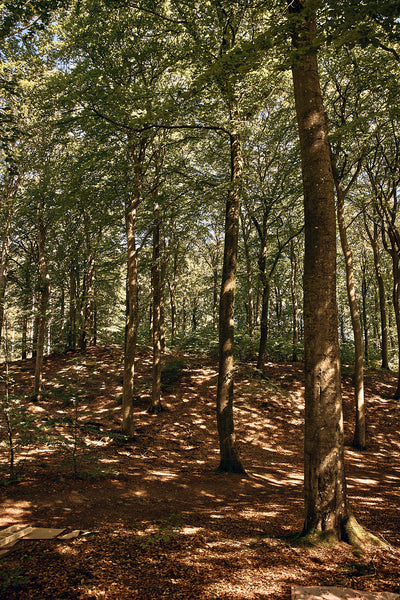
(161, 523)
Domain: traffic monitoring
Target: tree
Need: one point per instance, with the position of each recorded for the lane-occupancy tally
(326, 504)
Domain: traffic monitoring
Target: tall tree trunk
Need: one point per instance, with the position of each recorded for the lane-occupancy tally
(364, 293)
(215, 298)
(3, 276)
(373, 237)
(229, 452)
(249, 275)
(359, 440)
(71, 336)
(44, 293)
(172, 291)
(295, 307)
(131, 290)
(155, 404)
(326, 505)
(163, 272)
(265, 286)
(8, 201)
(86, 336)
(264, 322)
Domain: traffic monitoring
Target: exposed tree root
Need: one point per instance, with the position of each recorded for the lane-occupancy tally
(357, 536)
(351, 532)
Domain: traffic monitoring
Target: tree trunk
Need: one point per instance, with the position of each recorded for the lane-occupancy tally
(249, 274)
(229, 453)
(88, 299)
(265, 286)
(262, 352)
(295, 308)
(71, 336)
(215, 297)
(373, 237)
(3, 277)
(172, 291)
(326, 505)
(155, 404)
(359, 440)
(364, 293)
(44, 292)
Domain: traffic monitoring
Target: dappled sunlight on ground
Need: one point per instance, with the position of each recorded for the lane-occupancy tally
(162, 523)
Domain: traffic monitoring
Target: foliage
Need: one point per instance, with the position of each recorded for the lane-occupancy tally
(164, 533)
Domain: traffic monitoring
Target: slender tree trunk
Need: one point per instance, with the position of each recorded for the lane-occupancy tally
(44, 293)
(359, 440)
(71, 337)
(396, 300)
(373, 237)
(249, 275)
(264, 322)
(24, 335)
(364, 293)
(3, 276)
(229, 453)
(295, 307)
(215, 298)
(11, 188)
(88, 300)
(265, 286)
(326, 505)
(155, 404)
(184, 316)
(163, 272)
(172, 291)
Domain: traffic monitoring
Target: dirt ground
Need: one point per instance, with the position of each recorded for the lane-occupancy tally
(157, 521)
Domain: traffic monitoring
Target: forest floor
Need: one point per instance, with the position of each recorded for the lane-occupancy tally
(157, 521)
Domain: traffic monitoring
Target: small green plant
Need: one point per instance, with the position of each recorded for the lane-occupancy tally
(165, 533)
(12, 579)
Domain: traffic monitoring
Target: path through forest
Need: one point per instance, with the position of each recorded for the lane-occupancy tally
(159, 522)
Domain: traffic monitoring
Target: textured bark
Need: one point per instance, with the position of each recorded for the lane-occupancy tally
(359, 440)
(295, 308)
(44, 293)
(265, 287)
(172, 285)
(132, 204)
(215, 298)
(364, 293)
(86, 337)
(373, 237)
(229, 453)
(71, 336)
(4, 263)
(326, 506)
(155, 404)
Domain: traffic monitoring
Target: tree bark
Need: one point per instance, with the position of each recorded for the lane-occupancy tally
(326, 506)
(295, 307)
(155, 404)
(44, 293)
(249, 274)
(132, 289)
(265, 286)
(359, 440)
(373, 237)
(71, 336)
(229, 452)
